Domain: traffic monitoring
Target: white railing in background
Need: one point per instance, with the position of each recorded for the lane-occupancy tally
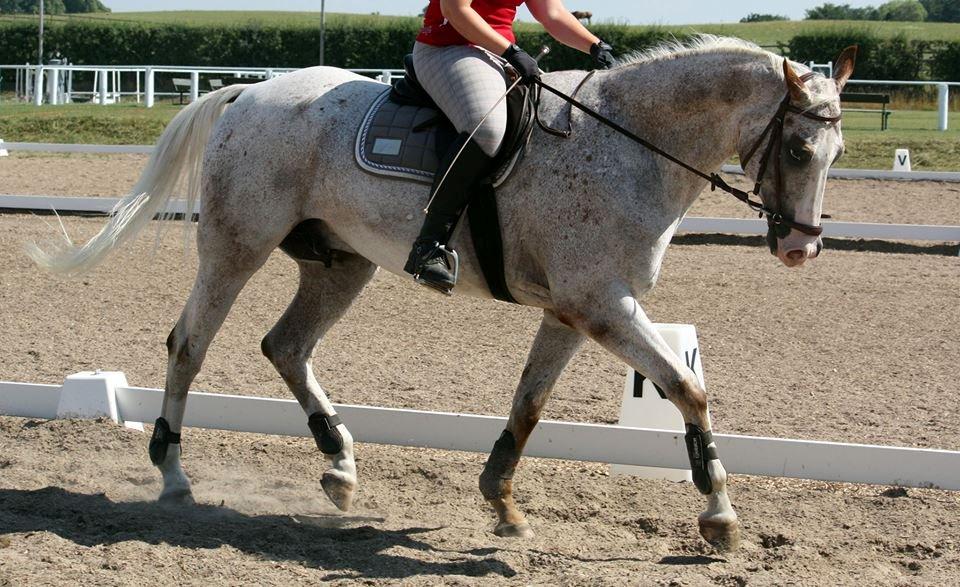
(107, 87)
(54, 84)
(943, 95)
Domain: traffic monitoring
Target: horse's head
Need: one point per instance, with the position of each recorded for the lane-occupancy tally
(788, 156)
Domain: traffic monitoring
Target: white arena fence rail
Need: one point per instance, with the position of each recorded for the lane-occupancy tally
(96, 394)
(54, 82)
(689, 225)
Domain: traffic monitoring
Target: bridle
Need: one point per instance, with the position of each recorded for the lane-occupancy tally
(776, 220)
(779, 223)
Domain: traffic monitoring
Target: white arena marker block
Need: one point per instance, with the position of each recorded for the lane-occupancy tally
(644, 406)
(3, 152)
(92, 394)
(901, 160)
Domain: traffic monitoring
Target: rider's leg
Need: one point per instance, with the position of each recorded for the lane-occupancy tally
(426, 261)
(466, 83)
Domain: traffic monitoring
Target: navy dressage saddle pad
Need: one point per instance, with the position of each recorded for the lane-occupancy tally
(407, 140)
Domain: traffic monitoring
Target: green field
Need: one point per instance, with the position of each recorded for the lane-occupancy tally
(867, 147)
(763, 33)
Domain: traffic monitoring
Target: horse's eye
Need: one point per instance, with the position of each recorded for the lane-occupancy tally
(799, 152)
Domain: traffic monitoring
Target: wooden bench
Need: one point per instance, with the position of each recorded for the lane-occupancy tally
(882, 99)
(182, 86)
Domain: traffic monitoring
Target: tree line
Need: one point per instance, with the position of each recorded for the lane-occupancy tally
(51, 6)
(895, 10)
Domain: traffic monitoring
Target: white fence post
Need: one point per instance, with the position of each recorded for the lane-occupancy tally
(69, 97)
(53, 80)
(148, 89)
(194, 86)
(38, 86)
(103, 78)
(943, 106)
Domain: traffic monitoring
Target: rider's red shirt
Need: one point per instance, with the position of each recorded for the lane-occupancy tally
(439, 32)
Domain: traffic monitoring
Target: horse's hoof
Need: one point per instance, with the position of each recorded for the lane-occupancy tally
(722, 535)
(522, 530)
(178, 496)
(339, 487)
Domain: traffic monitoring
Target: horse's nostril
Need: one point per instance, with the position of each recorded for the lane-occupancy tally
(819, 248)
(796, 255)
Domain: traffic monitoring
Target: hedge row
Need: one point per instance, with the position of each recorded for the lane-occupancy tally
(383, 44)
(353, 45)
(896, 58)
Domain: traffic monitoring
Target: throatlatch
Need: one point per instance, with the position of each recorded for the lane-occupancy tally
(161, 440)
(324, 429)
(700, 453)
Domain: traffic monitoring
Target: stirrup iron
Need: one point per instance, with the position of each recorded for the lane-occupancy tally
(453, 261)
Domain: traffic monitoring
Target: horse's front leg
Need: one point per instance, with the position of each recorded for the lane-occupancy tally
(552, 349)
(615, 320)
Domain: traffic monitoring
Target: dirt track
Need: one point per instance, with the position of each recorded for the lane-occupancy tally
(860, 347)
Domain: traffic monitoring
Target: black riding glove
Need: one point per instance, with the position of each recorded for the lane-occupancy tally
(523, 63)
(602, 54)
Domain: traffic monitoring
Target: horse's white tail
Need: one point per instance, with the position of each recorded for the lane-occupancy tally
(178, 155)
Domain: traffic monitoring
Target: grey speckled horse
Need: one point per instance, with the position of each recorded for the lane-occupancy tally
(586, 222)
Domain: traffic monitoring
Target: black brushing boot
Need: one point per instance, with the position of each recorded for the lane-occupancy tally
(428, 262)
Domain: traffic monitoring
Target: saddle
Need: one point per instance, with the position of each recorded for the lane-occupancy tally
(404, 134)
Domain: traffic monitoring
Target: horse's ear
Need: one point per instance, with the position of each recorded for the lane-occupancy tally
(843, 66)
(797, 89)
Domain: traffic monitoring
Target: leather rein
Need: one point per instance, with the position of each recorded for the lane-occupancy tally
(779, 223)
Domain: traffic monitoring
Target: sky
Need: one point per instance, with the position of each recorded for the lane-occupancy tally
(628, 11)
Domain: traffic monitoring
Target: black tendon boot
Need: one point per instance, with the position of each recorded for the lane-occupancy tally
(428, 262)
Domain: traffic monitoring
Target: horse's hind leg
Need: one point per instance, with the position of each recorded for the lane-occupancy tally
(219, 279)
(322, 298)
(552, 349)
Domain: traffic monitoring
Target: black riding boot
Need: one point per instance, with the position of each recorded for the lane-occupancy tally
(427, 261)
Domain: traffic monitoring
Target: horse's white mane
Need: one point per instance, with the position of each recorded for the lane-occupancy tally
(703, 43)
(698, 45)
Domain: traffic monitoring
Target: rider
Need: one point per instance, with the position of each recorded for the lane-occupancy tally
(455, 57)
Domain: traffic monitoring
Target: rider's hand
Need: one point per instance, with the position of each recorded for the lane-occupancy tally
(602, 54)
(525, 65)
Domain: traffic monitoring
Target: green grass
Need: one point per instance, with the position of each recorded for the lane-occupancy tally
(121, 124)
(763, 33)
(773, 33)
(930, 149)
(867, 146)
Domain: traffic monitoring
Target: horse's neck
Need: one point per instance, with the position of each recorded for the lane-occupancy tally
(692, 106)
